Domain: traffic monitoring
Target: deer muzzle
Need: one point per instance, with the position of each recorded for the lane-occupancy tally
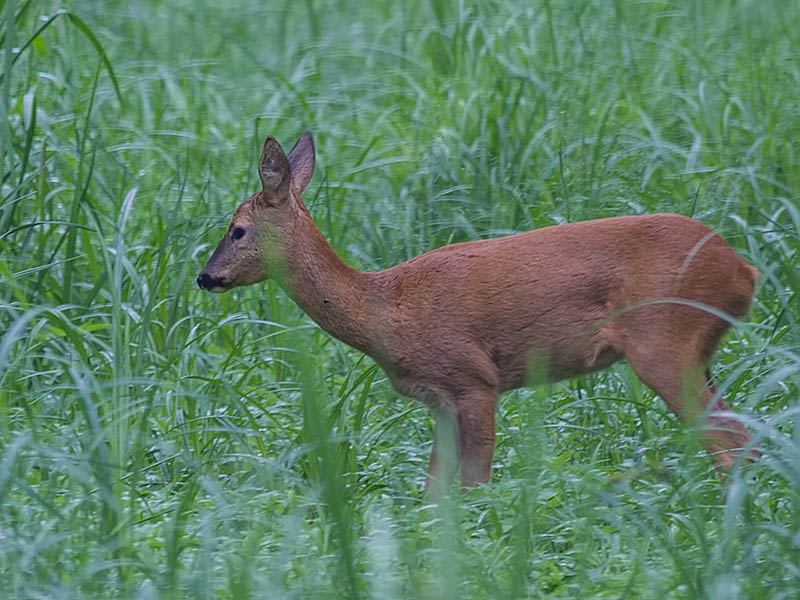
(211, 284)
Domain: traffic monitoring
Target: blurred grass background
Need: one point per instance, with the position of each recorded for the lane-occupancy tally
(158, 442)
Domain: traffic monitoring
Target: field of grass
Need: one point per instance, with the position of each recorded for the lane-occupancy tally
(160, 442)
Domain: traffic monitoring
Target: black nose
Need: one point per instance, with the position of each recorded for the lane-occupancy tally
(206, 282)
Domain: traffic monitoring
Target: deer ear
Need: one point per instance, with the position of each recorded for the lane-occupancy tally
(301, 162)
(274, 171)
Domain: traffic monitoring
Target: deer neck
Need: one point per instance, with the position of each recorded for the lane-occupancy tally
(343, 301)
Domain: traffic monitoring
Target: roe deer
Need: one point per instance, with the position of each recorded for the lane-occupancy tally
(457, 326)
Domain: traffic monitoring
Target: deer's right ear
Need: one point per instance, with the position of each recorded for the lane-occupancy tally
(274, 171)
(301, 162)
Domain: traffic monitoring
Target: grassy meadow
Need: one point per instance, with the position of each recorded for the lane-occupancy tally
(157, 441)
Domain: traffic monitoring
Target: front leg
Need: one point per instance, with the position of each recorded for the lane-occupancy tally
(476, 435)
(444, 455)
(467, 438)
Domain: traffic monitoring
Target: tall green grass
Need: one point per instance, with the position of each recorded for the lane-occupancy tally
(160, 442)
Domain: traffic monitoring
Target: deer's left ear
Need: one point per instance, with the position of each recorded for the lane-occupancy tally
(274, 172)
(301, 162)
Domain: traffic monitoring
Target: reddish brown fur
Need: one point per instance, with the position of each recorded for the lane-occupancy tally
(459, 325)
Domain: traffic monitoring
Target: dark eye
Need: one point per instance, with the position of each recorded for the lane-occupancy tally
(238, 233)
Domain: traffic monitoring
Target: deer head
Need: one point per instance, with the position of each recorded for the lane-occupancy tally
(251, 250)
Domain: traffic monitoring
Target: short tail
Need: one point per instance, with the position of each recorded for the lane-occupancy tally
(755, 275)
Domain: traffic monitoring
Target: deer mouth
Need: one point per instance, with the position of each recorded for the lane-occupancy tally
(211, 284)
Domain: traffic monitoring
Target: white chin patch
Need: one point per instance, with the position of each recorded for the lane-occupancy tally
(216, 290)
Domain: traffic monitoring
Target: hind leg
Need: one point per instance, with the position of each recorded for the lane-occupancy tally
(728, 433)
(685, 384)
